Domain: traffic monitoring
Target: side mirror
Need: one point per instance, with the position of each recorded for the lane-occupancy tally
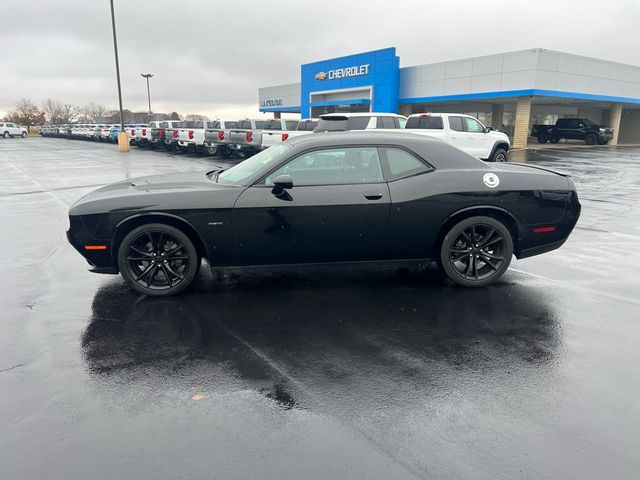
(281, 183)
(488, 129)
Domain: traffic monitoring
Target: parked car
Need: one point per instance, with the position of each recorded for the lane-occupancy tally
(246, 138)
(338, 122)
(11, 130)
(307, 125)
(161, 131)
(462, 131)
(277, 130)
(64, 131)
(329, 198)
(217, 136)
(105, 130)
(132, 129)
(573, 129)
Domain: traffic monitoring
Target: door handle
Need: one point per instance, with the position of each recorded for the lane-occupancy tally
(373, 196)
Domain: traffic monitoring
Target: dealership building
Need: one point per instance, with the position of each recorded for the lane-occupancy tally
(509, 91)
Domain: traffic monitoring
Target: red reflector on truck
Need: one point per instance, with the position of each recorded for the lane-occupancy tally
(285, 136)
(220, 135)
(543, 229)
(249, 136)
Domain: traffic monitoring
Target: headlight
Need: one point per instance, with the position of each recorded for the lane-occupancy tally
(603, 129)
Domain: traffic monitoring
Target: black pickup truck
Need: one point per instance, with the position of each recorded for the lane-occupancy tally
(573, 128)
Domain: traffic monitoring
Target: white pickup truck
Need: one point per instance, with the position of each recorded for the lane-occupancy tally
(462, 131)
(191, 136)
(278, 130)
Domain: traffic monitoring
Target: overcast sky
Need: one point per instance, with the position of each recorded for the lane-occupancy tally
(210, 57)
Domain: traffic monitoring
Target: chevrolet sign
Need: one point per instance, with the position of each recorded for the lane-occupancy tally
(343, 72)
(271, 102)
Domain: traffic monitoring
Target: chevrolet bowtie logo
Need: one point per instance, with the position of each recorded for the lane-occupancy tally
(321, 76)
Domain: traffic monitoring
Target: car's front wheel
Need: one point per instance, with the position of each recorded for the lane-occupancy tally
(24, 135)
(591, 139)
(158, 260)
(476, 251)
(6, 135)
(500, 155)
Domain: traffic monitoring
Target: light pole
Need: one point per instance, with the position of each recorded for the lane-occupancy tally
(148, 76)
(123, 138)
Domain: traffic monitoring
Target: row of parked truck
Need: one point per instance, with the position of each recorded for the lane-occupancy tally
(242, 138)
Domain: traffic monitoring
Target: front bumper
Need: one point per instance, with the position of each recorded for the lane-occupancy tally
(100, 261)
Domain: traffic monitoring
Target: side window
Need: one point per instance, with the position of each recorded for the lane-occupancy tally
(291, 124)
(402, 122)
(336, 166)
(386, 122)
(455, 123)
(472, 125)
(401, 163)
(358, 123)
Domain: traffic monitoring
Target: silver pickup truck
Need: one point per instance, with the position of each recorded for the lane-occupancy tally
(217, 136)
(246, 138)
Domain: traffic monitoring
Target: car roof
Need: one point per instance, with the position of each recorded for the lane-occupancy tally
(361, 114)
(438, 153)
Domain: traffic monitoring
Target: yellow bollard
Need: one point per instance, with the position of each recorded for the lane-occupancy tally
(123, 142)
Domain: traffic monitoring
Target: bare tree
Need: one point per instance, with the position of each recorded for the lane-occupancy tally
(52, 110)
(69, 113)
(92, 111)
(26, 113)
(195, 117)
(175, 116)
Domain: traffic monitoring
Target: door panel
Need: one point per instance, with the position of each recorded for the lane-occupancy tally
(328, 223)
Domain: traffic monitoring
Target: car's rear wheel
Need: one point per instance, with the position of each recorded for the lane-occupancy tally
(158, 260)
(554, 139)
(590, 139)
(476, 251)
(6, 135)
(542, 139)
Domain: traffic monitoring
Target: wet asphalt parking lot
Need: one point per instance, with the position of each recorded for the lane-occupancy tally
(350, 373)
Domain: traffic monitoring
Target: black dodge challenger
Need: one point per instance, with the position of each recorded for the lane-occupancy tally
(327, 198)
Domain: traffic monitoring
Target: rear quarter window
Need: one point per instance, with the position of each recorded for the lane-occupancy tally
(401, 163)
(358, 123)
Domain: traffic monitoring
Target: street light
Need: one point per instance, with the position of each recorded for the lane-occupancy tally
(123, 138)
(148, 76)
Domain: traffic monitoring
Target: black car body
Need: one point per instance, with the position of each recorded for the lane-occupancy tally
(354, 197)
(573, 129)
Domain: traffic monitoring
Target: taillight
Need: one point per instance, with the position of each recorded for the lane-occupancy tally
(220, 135)
(133, 132)
(144, 132)
(175, 134)
(161, 133)
(285, 136)
(543, 229)
(190, 134)
(249, 137)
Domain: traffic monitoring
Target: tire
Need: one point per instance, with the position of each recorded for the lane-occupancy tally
(500, 155)
(24, 135)
(554, 139)
(542, 139)
(591, 139)
(6, 135)
(603, 142)
(138, 264)
(483, 265)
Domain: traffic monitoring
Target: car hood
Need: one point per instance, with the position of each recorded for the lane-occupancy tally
(168, 191)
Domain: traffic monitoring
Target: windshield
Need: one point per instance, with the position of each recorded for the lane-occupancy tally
(246, 169)
(588, 122)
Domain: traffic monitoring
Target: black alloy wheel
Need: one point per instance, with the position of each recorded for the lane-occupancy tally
(542, 139)
(476, 251)
(500, 155)
(158, 260)
(554, 139)
(591, 139)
